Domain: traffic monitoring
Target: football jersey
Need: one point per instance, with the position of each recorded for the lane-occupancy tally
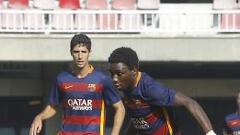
(232, 124)
(146, 102)
(83, 101)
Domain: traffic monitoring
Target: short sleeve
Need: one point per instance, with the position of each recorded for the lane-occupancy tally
(111, 96)
(157, 94)
(54, 95)
(226, 128)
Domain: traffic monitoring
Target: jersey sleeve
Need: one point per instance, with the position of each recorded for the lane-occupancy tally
(111, 96)
(226, 128)
(54, 95)
(158, 94)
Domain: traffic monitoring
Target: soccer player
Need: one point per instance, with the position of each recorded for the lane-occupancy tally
(146, 98)
(232, 121)
(83, 92)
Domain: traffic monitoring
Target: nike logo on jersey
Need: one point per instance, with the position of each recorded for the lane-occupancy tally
(68, 86)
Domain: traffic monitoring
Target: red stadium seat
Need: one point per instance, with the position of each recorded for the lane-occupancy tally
(123, 4)
(36, 21)
(69, 4)
(230, 21)
(65, 21)
(18, 4)
(1, 4)
(127, 21)
(148, 4)
(14, 20)
(103, 21)
(224, 4)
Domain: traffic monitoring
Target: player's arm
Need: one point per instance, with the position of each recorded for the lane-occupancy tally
(118, 117)
(196, 110)
(47, 113)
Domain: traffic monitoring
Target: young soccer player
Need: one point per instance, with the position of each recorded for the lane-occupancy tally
(146, 98)
(83, 92)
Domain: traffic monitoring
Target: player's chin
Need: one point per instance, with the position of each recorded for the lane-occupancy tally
(120, 88)
(80, 65)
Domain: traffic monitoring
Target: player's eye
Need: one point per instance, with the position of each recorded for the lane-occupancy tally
(119, 74)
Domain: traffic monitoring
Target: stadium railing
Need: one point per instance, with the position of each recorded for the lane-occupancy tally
(118, 21)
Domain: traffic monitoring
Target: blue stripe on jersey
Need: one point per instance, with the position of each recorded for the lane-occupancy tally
(93, 112)
(86, 95)
(80, 128)
(140, 112)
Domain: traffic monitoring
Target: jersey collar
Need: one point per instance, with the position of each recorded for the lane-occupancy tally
(137, 79)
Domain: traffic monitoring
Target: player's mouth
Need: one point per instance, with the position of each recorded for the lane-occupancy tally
(117, 86)
(80, 62)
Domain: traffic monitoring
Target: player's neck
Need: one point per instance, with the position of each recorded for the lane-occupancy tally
(82, 72)
(136, 78)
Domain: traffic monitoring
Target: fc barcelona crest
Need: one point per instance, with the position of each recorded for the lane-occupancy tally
(92, 87)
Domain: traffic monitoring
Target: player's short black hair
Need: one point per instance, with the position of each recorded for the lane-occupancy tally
(81, 39)
(125, 55)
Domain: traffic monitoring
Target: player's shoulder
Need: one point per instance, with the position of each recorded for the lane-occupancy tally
(63, 74)
(146, 79)
(231, 116)
(100, 73)
(145, 76)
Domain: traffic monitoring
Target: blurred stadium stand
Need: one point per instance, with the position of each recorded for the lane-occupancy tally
(228, 20)
(102, 16)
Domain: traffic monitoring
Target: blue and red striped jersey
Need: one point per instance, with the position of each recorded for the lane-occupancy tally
(232, 124)
(146, 103)
(83, 101)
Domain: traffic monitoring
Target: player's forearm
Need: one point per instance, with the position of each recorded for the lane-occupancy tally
(200, 116)
(47, 113)
(118, 118)
(195, 109)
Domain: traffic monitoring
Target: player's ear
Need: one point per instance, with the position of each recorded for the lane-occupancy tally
(135, 70)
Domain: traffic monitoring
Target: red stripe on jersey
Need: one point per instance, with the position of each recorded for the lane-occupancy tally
(152, 117)
(96, 104)
(163, 130)
(77, 133)
(86, 120)
(233, 123)
(76, 86)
